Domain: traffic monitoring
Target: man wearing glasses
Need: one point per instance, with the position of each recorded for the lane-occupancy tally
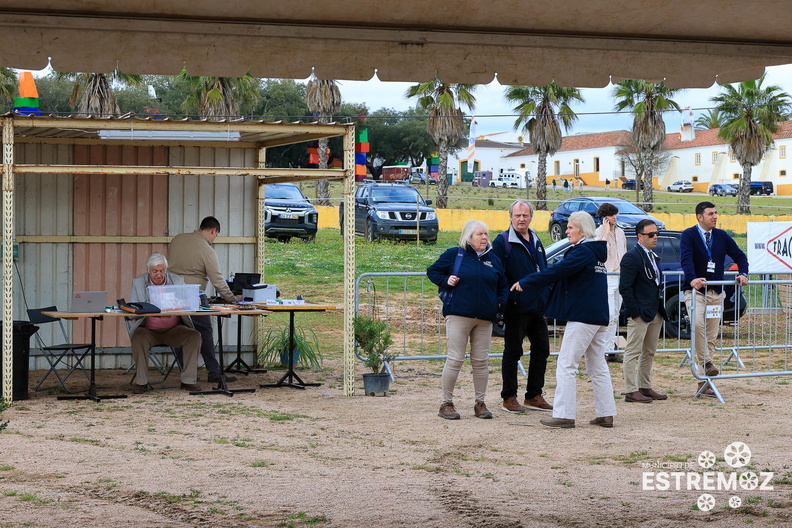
(703, 253)
(639, 286)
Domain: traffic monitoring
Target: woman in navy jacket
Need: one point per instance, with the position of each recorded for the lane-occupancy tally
(580, 297)
(476, 294)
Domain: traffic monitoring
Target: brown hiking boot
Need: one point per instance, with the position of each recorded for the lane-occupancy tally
(481, 411)
(448, 411)
(538, 403)
(602, 421)
(511, 404)
(706, 392)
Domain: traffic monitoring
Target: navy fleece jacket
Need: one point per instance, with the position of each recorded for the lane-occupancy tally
(581, 286)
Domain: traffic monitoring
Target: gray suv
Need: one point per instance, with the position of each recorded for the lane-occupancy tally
(289, 213)
(392, 210)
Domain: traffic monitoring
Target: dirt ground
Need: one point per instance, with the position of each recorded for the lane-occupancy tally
(288, 457)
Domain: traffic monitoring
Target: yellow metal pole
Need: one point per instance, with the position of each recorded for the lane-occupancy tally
(349, 261)
(8, 257)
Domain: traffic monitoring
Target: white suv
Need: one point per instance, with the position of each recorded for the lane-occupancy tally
(505, 181)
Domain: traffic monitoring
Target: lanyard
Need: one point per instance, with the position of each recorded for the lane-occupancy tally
(704, 240)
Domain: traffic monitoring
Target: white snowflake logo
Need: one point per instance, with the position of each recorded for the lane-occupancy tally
(706, 459)
(737, 454)
(706, 502)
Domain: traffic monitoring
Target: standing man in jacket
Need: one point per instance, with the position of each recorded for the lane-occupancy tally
(611, 233)
(522, 253)
(191, 255)
(704, 248)
(639, 285)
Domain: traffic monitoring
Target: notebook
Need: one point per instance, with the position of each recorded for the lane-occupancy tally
(88, 302)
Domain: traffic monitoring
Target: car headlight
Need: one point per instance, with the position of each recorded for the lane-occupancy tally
(623, 225)
(383, 215)
(312, 217)
(660, 226)
(431, 216)
(267, 215)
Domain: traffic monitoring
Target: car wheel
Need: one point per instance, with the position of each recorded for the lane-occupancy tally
(284, 239)
(309, 239)
(370, 236)
(430, 241)
(678, 323)
(556, 233)
(668, 189)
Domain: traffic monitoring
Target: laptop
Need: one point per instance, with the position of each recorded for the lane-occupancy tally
(88, 302)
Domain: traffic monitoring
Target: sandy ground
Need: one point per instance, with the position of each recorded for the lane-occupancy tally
(287, 457)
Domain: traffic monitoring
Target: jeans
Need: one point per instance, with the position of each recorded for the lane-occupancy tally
(519, 326)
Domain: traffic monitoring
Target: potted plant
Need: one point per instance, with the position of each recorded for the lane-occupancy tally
(374, 339)
(306, 347)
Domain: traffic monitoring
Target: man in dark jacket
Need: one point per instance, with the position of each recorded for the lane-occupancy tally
(639, 285)
(703, 250)
(522, 253)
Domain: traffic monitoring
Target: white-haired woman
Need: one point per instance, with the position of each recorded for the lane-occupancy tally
(580, 297)
(475, 284)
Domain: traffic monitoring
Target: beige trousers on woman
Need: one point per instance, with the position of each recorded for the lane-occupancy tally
(460, 330)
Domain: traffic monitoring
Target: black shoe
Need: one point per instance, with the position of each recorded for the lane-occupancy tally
(215, 378)
(192, 387)
(140, 389)
(614, 358)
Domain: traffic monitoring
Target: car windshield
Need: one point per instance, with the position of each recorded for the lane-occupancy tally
(283, 192)
(401, 194)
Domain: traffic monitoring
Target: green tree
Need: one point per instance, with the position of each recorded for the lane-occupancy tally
(8, 85)
(54, 94)
(397, 137)
(647, 101)
(445, 122)
(752, 114)
(92, 93)
(323, 99)
(714, 118)
(540, 109)
(218, 97)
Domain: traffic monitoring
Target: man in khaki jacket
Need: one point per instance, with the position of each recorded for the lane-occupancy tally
(192, 256)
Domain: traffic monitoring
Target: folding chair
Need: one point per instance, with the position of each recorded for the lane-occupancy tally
(58, 355)
(158, 364)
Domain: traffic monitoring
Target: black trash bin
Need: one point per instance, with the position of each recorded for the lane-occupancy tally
(22, 332)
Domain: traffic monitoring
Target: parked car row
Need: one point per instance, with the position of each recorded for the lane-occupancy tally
(723, 189)
(627, 218)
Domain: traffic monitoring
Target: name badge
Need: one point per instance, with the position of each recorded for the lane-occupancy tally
(710, 267)
(714, 311)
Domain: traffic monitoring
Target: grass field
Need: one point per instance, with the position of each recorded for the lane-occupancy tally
(467, 197)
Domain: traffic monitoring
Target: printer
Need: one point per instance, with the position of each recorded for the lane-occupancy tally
(259, 293)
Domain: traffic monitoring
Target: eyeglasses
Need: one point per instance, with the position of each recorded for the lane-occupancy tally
(650, 235)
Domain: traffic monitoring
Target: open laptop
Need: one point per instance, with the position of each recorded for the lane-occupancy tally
(88, 302)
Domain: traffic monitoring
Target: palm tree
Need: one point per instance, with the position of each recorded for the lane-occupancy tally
(446, 121)
(539, 109)
(8, 83)
(752, 114)
(647, 101)
(323, 99)
(218, 97)
(714, 118)
(93, 92)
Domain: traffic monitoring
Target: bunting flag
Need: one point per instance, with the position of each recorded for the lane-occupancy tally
(471, 150)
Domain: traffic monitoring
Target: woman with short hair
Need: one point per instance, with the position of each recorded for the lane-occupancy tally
(579, 297)
(475, 294)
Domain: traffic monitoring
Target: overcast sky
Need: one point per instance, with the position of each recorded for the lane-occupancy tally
(495, 116)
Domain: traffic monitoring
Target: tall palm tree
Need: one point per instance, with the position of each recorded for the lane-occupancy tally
(92, 93)
(647, 101)
(714, 118)
(540, 108)
(752, 114)
(218, 97)
(8, 83)
(446, 121)
(323, 98)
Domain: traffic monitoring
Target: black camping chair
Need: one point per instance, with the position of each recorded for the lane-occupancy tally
(69, 356)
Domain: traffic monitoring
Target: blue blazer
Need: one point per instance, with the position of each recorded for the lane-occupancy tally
(694, 256)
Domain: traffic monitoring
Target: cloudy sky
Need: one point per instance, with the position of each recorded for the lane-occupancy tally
(495, 116)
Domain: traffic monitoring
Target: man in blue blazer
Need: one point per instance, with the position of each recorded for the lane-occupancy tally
(639, 285)
(704, 249)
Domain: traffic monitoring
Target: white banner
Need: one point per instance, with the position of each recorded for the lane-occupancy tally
(770, 247)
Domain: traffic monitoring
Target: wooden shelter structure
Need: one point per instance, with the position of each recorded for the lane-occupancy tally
(134, 136)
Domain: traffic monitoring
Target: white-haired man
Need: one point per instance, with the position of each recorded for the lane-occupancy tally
(175, 331)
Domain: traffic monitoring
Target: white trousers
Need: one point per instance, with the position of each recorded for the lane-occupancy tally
(583, 340)
(614, 305)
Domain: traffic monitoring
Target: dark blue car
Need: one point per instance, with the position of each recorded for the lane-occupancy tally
(628, 217)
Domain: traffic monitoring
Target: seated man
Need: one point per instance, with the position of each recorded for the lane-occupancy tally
(175, 331)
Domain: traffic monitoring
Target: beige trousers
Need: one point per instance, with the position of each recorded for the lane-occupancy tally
(706, 329)
(460, 330)
(178, 336)
(639, 352)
